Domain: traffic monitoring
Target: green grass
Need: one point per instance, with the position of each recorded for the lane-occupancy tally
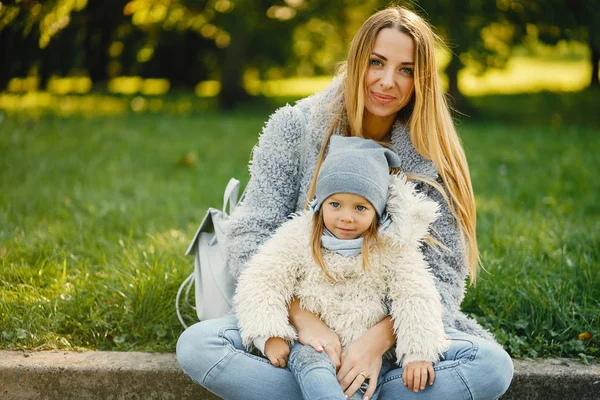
(95, 215)
(539, 236)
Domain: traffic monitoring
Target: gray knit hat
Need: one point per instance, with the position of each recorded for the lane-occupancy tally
(356, 165)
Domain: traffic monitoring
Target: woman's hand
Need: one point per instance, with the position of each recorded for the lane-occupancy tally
(415, 375)
(277, 351)
(313, 332)
(363, 358)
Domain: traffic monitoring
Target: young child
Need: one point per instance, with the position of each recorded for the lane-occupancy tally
(352, 258)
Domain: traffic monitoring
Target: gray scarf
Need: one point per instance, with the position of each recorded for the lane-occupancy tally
(350, 247)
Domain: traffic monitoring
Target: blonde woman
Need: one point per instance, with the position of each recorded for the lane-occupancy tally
(389, 91)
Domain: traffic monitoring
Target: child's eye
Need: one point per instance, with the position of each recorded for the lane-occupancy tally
(361, 208)
(334, 204)
(374, 62)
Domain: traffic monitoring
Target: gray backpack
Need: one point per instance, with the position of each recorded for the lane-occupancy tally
(214, 286)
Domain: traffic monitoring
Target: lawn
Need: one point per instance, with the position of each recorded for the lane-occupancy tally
(96, 213)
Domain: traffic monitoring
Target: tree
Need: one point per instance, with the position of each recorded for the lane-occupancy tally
(18, 45)
(477, 32)
(184, 41)
(571, 20)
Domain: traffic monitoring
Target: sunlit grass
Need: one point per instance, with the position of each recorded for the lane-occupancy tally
(527, 75)
(294, 86)
(69, 96)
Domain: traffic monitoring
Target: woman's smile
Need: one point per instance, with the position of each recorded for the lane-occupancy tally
(381, 98)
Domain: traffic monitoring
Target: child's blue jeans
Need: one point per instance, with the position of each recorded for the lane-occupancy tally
(316, 375)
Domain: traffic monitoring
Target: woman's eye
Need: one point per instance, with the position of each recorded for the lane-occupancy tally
(361, 208)
(407, 70)
(374, 62)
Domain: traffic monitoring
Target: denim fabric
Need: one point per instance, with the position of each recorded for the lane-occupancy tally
(212, 354)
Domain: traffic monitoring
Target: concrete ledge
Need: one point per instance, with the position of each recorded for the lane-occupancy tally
(120, 376)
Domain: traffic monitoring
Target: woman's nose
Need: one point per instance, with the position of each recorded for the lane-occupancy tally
(387, 80)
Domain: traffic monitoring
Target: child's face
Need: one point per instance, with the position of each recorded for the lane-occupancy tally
(347, 215)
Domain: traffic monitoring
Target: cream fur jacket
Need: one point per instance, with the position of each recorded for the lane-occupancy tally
(356, 300)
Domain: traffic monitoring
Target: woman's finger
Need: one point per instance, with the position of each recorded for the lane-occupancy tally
(371, 389)
(355, 385)
(343, 372)
(314, 343)
(334, 356)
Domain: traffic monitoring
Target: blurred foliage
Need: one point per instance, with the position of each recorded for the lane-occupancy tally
(483, 34)
(236, 43)
(555, 20)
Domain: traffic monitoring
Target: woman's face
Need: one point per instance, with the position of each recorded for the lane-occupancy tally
(389, 80)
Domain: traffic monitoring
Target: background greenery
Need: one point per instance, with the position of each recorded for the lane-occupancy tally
(238, 43)
(122, 121)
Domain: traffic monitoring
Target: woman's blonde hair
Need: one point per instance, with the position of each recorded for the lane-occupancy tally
(427, 114)
(370, 238)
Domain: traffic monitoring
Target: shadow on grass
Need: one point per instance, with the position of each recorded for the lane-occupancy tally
(547, 108)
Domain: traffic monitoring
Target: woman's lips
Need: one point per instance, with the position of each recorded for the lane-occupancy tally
(382, 98)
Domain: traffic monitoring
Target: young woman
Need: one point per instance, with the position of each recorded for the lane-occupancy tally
(388, 91)
(345, 259)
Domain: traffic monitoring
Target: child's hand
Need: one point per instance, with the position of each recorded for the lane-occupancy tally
(277, 351)
(415, 375)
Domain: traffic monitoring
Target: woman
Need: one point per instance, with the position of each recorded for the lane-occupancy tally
(388, 91)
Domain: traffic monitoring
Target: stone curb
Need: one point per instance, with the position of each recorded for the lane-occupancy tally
(120, 376)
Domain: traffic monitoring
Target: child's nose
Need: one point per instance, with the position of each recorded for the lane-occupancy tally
(347, 217)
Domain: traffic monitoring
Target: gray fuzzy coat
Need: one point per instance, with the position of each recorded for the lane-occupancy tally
(279, 184)
(357, 299)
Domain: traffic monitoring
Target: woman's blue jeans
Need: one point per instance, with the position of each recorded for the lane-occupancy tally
(212, 354)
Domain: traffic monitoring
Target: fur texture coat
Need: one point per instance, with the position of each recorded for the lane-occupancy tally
(356, 300)
(281, 170)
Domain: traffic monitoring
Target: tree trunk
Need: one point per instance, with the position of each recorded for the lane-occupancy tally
(458, 101)
(455, 19)
(232, 85)
(44, 68)
(6, 38)
(595, 58)
(99, 23)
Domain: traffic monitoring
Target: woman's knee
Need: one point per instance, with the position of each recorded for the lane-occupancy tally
(497, 366)
(201, 345)
(189, 347)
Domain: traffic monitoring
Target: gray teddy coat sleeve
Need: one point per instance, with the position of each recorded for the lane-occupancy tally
(271, 193)
(449, 266)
